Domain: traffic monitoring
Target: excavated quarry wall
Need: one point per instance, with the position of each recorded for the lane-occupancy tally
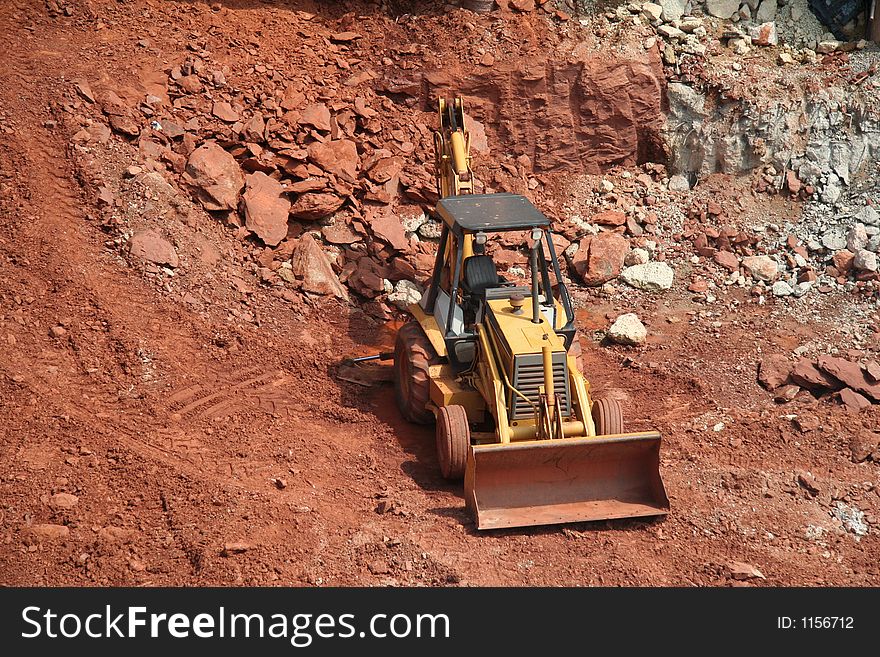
(825, 137)
(584, 115)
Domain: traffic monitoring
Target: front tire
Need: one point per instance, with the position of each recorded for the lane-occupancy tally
(453, 440)
(413, 355)
(607, 416)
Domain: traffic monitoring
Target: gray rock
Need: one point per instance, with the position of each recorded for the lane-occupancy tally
(679, 183)
(802, 288)
(873, 244)
(766, 11)
(431, 229)
(865, 260)
(851, 517)
(834, 239)
(831, 193)
(868, 215)
(856, 237)
(412, 223)
(673, 10)
(782, 289)
(651, 277)
(628, 329)
(722, 8)
(405, 294)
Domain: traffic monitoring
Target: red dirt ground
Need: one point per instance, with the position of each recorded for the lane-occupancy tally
(206, 450)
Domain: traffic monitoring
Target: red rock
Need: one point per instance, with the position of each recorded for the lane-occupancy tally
(807, 276)
(385, 169)
(863, 444)
(224, 111)
(609, 218)
(774, 371)
(215, 177)
(315, 205)
(339, 233)
(255, 129)
(48, 532)
(265, 208)
(388, 228)
(149, 246)
(307, 185)
(727, 260)
(698, 286)
(762, 267)
(310, 263)
(766, 35)
(853, 400)
(843, 260)
(872, 369)
(600, 259)
(714, 209)
(794, 186)
(850, 374)
(807, 375)
(339, 157)
(292, 98)
(344, 37)
(786, 393)
(365, 279)
(191, 84)
(317, 116)
(806, 422)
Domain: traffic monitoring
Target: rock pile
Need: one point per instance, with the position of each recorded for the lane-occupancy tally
(855, 385)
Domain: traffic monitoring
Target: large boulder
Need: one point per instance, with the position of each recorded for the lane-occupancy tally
(215, 177)
(265, 208)
(310, 263)
(600, 259)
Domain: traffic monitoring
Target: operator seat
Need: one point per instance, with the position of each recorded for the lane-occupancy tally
(480, 274)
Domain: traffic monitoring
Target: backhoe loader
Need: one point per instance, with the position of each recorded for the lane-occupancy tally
(490, 361)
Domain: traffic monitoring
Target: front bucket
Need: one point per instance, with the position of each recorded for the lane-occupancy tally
(567, 480)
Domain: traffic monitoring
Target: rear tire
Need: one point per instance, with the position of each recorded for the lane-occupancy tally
(453, 440)
(413, 355)
(607, 416)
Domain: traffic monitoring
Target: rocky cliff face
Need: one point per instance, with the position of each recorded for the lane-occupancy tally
(582, 115)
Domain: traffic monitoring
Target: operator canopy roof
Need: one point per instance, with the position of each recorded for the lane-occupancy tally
(490, 213)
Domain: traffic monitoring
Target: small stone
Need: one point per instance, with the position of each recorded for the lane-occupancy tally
(679, 183)
(782, 289)
(727, 260)
(224, 111)
(826, 47)
(742, 571)
(785, 394)
(863, 444)
(57, 331)
(628, 330)
(765, 35)
(853, 400)
(868, 215)
(235, 548)
(805, 423)
(856, 237)
(48, 532)
(405, 294)
(865, 260)
(149, 246)
(722, 8)
(652, 11)
(762, 268)
(63, 501)
(636, 257)
(774, 371)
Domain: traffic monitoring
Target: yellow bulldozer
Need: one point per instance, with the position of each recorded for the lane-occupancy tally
(490, 361)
